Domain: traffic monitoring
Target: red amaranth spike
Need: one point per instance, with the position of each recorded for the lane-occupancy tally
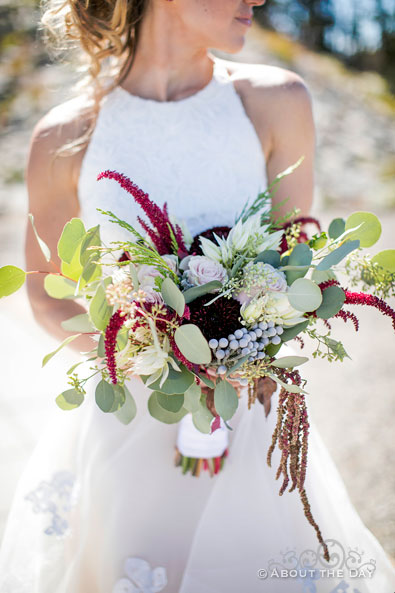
(347, 315)
(158, 218)
(362, 298)
(151, 209)
(156, 240)
(328, 283)
(110, 340)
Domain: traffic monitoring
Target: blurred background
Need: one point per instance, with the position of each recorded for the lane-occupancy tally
(345, 51)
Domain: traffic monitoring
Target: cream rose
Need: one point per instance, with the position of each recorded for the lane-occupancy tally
(202, 269)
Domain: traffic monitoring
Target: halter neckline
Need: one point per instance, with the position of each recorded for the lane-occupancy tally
(219, 73)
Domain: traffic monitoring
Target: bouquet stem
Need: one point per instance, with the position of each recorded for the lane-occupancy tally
(195, 465)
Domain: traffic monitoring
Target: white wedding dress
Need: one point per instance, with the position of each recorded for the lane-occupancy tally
(100, 507)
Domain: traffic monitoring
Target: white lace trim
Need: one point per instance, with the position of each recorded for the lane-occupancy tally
(140, 578)
(55, 497)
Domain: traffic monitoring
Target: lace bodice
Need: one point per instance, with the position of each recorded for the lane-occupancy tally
(200, 154)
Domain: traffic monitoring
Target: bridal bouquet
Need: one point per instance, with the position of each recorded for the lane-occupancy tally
(194, 315)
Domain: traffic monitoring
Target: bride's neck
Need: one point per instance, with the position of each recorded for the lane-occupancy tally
(169, 61)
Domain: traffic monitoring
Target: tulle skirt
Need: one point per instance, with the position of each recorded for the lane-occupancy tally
(101, 508)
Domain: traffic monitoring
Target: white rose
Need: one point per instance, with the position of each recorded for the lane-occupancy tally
(202, 269)
(279, 310)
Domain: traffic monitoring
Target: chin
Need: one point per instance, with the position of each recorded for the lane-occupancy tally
(231, 46)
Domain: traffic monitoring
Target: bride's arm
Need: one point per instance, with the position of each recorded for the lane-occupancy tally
(279, 105)
(292, 135)
(51, 183)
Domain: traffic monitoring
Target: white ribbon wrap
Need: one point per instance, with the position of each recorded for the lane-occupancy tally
(193, 443)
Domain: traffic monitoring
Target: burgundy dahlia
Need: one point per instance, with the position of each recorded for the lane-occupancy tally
(217, 320)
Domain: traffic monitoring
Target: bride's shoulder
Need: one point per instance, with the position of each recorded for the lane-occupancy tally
(65, 122)
(277, 100)
(62, 126)
(269, 88)
(263, 80)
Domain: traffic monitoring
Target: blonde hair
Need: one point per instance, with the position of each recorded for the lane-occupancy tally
(102, 35)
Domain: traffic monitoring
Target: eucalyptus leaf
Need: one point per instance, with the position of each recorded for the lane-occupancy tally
(122, 338)
(288, 386)
(134, 277)
(73, 269)
(161, 414)
(338, 254)
(43, 246)
(176, 381)
(170, 403)
(105, 396)
(304, 295)
(289, 362)
(99, 309)
(203, 377)
(333, 299)
(386, 259)
(197, 291)
(65, 342)
(119, 397)
(11, 280)
(225, 399)
(269, 257)
(301, 255)
(128, 411)
(89, 242)
(291, 332)
(237, 365)
(336, 228)
(58, 287)
(370, 231)
(101, 352)
(91, 271)
(69, 399)
(173, 296)
(320, 276)
(192, 398)
(202, 419)
(272, 349)
(193, 344)
(70, 239)
(79, 323)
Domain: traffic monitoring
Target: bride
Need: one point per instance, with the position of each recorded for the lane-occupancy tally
(101, 508)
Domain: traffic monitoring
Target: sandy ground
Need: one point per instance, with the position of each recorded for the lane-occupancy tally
(352, 403)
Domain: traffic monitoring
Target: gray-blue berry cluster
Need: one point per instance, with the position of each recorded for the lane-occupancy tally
(245, 342)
